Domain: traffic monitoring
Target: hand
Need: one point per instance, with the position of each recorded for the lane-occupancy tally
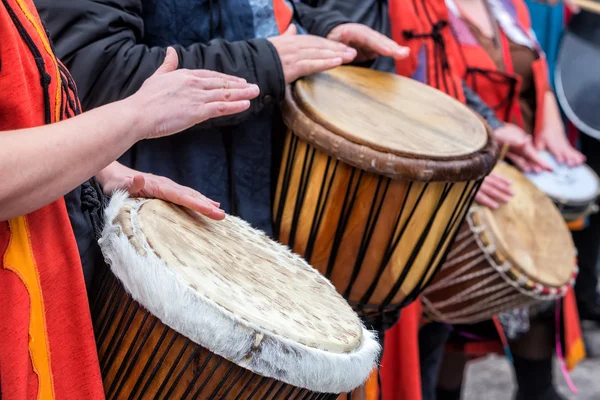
(494, 190)
(555, 141)
(521, 150)
(367, 42)
(171, 101)
(118, 177)
(303, 55)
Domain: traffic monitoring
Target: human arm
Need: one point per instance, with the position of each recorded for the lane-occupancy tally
(101, 42)
(552, 136)
(519, 143)
(39, 165)
(325, 19)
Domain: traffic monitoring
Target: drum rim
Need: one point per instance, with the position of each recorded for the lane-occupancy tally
(473, 166)
(531, 292)
(586, 202)
(224, 334)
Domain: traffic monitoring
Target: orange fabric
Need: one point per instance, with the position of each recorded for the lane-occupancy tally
(400, 368)
(47, 348)
(372, 387)
(19, 260)
(410, 20)
(573, 338)
(283, 14)
(496, 94)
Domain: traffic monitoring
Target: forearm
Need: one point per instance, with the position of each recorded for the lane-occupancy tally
(39, 165)
(552, 118)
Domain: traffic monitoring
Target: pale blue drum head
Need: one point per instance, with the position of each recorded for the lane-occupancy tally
(567, 186)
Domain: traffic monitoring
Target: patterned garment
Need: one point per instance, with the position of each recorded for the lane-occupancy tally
(47, 348)
(506, 15)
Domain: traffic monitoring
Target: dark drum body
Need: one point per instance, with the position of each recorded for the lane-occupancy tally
(141, 358)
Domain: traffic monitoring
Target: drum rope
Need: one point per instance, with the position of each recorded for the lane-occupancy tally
(379, 314)
(443, 246)
(320, 209)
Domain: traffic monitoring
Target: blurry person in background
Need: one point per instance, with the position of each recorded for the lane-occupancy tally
(577, 85)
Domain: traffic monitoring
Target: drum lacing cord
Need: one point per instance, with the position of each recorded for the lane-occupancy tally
(93, 202)
(494, 296)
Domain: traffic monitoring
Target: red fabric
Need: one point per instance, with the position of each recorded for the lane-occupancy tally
(418, 18)
(73, 359)
(400, 368)
(72, 344)
(494, 93)
(283, 14)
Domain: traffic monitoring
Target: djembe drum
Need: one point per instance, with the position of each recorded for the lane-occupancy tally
(376, 176)
(574, 190)
(511, 257)
(194, 308)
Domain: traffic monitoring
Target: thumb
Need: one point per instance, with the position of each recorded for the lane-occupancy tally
(135, 184)
(170, 62)
(291, 30)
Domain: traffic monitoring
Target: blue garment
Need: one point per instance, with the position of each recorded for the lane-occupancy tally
(211, 161)
(547, 23)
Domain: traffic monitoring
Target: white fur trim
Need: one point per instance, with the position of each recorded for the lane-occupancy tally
(220, 331)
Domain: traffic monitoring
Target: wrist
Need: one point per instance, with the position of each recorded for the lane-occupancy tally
(138, 125)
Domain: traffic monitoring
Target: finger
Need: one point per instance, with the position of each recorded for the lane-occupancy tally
(170, 62)
(308, 67)
(291, 30)
(501, 186)
(229, 95)
(519, 162)
(494, 194)
(499, 179)
(315, 42)
(205, 74)
(534, 158)
(377, 43)
(219, 83)
(484, 200)
(321, 54)
(170, 191)
(136, 184)
(221, 108)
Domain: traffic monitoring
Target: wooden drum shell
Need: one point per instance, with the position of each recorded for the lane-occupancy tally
(375, 219)
(377, 239)
(141, 358)
(455, 303)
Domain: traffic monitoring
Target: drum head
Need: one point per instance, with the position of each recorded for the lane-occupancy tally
(565, 184)
(531, 233)
(390, 113)
(234, 291)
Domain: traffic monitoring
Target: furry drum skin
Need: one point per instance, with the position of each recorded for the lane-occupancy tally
(196, 308)
(517, 255)
(376, 176)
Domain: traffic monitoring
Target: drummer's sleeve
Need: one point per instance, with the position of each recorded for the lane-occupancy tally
(477, 105)
(101, 43)
(319, 21)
